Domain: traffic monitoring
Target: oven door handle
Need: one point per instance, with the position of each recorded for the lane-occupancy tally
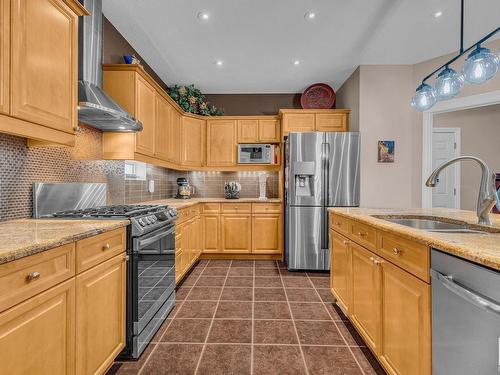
(150, 240)
(466, 293)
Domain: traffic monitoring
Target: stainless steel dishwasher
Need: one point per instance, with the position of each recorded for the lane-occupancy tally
(465, 317)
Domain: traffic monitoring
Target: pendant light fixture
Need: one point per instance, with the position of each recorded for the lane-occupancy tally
(480, 66)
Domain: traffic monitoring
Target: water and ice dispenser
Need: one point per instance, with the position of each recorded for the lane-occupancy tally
(304, 178)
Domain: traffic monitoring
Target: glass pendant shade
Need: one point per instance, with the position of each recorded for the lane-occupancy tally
(480, 66)
(448, 84)
(425, 98)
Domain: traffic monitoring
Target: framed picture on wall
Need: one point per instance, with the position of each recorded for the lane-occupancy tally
(386, 151)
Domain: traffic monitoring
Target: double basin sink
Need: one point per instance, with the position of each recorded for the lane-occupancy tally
(437, 225)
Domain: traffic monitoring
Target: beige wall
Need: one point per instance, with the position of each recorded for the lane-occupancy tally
(480, 136)
(383, 111)
(348, 97)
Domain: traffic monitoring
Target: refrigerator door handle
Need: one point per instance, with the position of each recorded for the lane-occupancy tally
(325, 155)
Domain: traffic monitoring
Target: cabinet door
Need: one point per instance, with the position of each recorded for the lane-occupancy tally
(406, 326)
(146, 113)
(340, 269)
(221, 142)
(193, 142)
(211, 233)
(269, 131)
(331, 122)
(163, 131)
(4, 55)
(178, 253)
(365, 312)
(266, 234)
(100, 315)
(236, 233)
(298, 122)
(38, 335)
(248, 131)
(44, 63)
(174, 137)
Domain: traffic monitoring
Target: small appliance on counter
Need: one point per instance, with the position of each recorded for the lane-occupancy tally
(232, 190)
(150, 247)
(184, 190)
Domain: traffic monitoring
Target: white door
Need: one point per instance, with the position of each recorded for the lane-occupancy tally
(445, 146)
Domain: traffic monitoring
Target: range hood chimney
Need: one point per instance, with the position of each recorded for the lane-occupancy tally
(95, 107)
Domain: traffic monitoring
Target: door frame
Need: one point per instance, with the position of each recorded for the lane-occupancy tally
(458, 170)
(457, 104)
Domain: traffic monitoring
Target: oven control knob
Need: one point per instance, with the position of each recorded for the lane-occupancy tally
(153, 219)
(141, 223)
(147, 220)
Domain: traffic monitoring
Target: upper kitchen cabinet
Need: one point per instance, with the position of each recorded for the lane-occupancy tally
(259, 130)
(309, 120)
(221, 143)
(146, 114)
(39, 69)
(192, 141)
(163, 128)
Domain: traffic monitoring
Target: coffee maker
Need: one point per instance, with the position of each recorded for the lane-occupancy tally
(184, 190)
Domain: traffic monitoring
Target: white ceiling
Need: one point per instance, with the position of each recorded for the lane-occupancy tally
(258, 40)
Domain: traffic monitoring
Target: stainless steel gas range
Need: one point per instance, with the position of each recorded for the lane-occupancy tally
(150, 247)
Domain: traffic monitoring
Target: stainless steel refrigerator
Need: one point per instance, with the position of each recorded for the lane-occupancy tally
(321, 171)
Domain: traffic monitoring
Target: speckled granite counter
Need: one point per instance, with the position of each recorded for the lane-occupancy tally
(482, 248)
(183, 203)
(20, 238)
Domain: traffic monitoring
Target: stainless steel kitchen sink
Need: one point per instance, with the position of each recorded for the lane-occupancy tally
(435, 225)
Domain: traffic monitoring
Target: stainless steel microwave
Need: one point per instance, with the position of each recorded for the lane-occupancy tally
(255, 154)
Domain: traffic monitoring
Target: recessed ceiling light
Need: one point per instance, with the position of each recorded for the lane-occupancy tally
(219, 63)
(438, 14)
(309, 16)
(296, 62)
(203, 16)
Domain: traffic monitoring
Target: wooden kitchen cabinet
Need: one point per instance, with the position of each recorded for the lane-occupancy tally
(298, 122)
(341, 270)
(38, 336)
(4, 56)
(331, 122)
(221, 143)
(406, 327)
(100, 315)
(267, 234)
(248, 131)
(163, 130)
(174, 137)
(365, 312)
(236, 232)
(192, 142)
(309, 120)
(269, 131)
(211, 233)
(146, 114)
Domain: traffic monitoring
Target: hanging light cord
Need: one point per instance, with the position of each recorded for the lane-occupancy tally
(462, 51)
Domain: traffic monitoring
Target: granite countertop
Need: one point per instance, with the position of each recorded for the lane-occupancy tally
(20, 238)
(481, 248)
(183, 203)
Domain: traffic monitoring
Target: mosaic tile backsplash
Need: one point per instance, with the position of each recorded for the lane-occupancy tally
(21, 166)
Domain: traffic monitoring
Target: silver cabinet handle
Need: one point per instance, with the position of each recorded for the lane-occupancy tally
(345, 242)
(33, 276)
(106, 247)
(396, 251)
(465, 293)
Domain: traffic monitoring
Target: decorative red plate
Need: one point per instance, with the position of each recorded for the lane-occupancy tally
(319, 95)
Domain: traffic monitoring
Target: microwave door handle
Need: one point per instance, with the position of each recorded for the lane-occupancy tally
(466, 293)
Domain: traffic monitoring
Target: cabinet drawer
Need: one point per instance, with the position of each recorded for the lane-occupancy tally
(409, 255)
(23, 278)
(94, 250)
(364, 235)
(182, 215)
(194, 211)
(340, 224)
(236, 208)
(211, 208)
(266, 208)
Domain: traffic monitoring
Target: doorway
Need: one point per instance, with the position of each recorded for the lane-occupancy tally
(445, 146)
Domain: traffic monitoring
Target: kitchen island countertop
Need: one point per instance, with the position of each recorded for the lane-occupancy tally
(481, 248)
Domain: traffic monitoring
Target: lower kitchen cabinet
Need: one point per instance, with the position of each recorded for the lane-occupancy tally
(236, 233)
(211, 230)
(38, 336)
(100, 315)
(188, 241)
(340, 279)
(266, 234)
(365, 312)
(406, 327)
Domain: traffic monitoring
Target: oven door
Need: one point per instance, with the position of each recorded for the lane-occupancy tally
(153, 262)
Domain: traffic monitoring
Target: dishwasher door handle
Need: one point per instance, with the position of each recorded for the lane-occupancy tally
(466, 293)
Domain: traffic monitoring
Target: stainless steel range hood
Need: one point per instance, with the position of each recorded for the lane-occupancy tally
(95, 107)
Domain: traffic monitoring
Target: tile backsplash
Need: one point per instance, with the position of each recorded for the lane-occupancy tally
(21, 166)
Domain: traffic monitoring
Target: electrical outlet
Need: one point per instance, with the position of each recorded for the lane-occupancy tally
(151, 186)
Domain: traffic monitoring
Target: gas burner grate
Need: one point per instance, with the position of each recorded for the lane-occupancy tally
(128, 210)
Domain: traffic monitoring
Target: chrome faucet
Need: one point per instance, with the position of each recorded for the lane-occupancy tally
(488, 196)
